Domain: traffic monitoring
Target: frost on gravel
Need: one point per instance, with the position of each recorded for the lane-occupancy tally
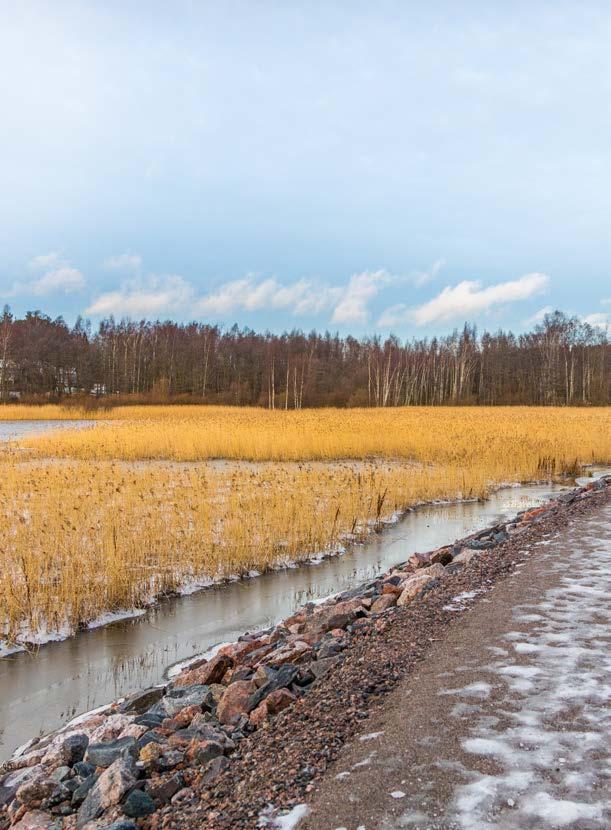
(549, 746)
(286, 821)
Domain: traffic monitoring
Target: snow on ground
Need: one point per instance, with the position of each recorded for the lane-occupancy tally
(546, 755)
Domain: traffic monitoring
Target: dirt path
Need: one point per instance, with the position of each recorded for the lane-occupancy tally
(507, 722)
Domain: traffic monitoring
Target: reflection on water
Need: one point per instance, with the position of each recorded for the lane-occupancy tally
(40, 692)
(13, 430)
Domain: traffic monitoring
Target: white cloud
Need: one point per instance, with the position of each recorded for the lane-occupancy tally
(156, 295)
(123, 262)
(159, 295)
(64, 279)
(599, 320)
(394, 315)
(248, 294)
(58, 276)
(423, 277)
(468, 298)
(538, 316)
(353, 304)
(50, 260)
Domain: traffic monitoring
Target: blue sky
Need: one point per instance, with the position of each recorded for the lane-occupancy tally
(347, 165)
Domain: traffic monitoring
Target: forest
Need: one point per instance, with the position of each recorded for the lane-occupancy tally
(562, 361)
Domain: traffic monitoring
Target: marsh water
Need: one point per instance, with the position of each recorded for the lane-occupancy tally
(13, 430)
(40, 692)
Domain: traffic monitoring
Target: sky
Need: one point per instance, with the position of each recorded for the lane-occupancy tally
(353, 166)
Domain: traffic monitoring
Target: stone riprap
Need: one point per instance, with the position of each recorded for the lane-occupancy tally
(157, 748)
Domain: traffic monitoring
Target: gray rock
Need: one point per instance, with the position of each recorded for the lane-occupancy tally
(162, 793)
(321, 667)
(83, 770)
(141, 701)
(73, 749)
(149, 738)
(150, 720)
(463, 558)
(103, 755)
(37, 820)
(479, 544)
(214, 769)
(138, 804)
(207, 750)
(80, 794)
(171, 758)
(32, 792)
(60, 774)
(110, 788)
(10, 783)
(178, 698)
(332, 647)
(121, 824)
(283, 678)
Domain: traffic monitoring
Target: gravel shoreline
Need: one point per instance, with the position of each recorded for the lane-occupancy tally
(241, 739)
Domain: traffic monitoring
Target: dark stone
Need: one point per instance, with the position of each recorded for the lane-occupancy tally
(442, 556)
(208, 750)
(454, 567)
(214, 769)
(121, 824)
(304, 678)
(321, 667)
(500, 537)
(141, 701)
(79, 795)
(185, 735)
(255, 635)
(242, 673)
(429, 587)
(10, 783)
(180, 697)
(284, 677)
(359, 591)
(170, 759)
(149, 720)
(73, 749)
(331, 647)
(111, 787)
(162, 793)
(149, 738)
(206, 732)
(83, 769)
(103, 755)
(138, 804)
(478, 544)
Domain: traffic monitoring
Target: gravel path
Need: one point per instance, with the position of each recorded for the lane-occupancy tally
(450, 756)
(507, 723)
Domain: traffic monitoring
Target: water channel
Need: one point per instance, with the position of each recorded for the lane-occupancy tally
(39, 692)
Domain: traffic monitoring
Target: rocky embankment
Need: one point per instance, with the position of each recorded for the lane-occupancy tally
(231, 739)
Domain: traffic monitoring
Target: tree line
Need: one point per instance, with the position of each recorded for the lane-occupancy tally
(562, 361)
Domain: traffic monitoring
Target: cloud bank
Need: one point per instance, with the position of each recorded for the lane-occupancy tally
(156, 295)
(58, 276)
(465, 301)
(349, 303)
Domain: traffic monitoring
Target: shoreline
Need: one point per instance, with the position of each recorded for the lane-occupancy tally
(45, 638)
(195, 725)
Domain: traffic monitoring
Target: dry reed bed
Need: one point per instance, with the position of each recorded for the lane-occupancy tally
(517, 437)
(92, 534)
